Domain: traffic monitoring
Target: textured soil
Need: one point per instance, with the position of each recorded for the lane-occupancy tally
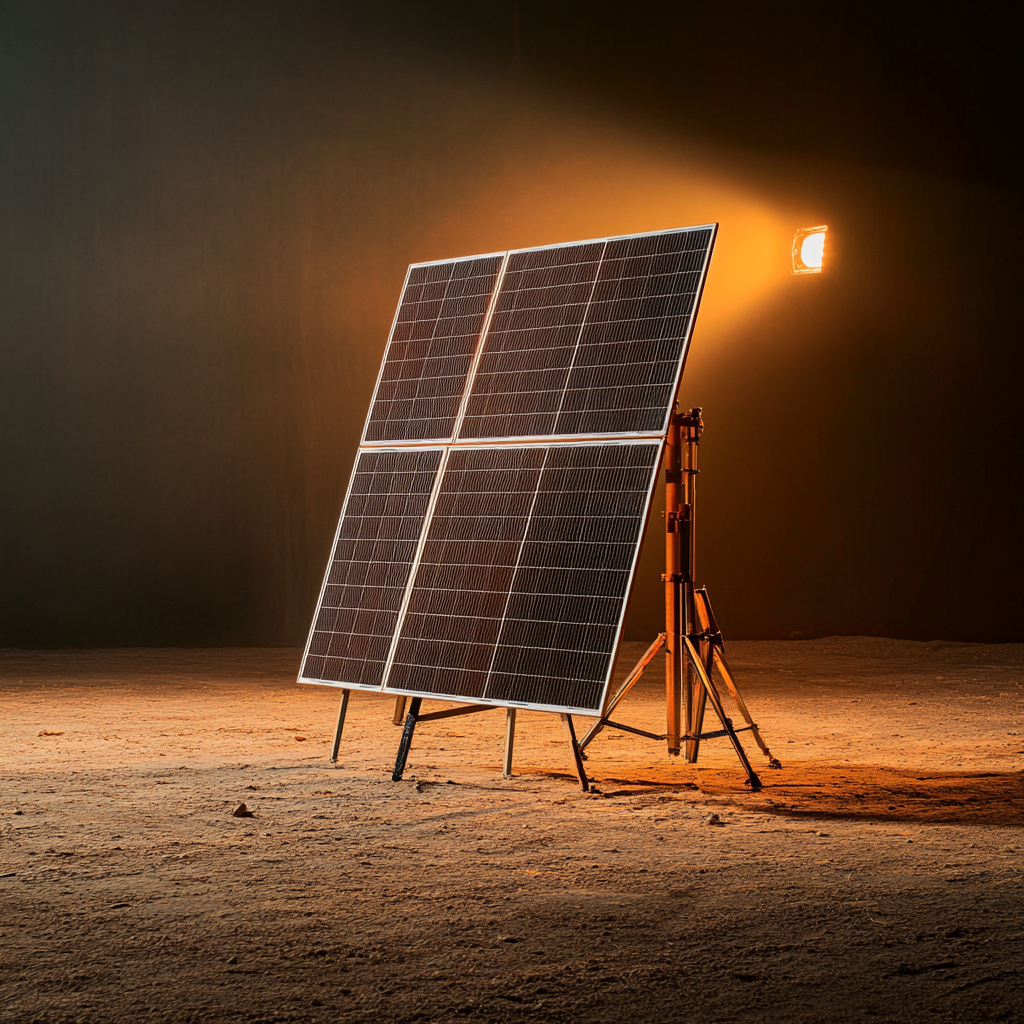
(875, 877)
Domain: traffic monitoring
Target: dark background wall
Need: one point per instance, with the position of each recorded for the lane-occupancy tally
(207, 210)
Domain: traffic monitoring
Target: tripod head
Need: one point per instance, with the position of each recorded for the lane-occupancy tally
(690, 424)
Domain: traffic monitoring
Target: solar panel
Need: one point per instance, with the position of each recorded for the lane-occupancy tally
(588, 338)
(488, 543)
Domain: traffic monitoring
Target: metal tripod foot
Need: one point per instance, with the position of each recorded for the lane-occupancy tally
(406, 741)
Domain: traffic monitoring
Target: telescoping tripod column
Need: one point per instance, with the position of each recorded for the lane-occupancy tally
(692, 641)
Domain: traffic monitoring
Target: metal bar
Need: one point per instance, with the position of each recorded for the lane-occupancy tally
(702, 623)
(576, 755)
(673, 661)
(399, 711)
(716, 703)
(636, 732)
(634, 676)
(719, 733)
(406, 742)
(636, 671)
(510, 739)
(691, 425)
(342, 711)
(470, 709)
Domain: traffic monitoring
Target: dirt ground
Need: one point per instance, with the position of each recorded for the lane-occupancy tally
(876, 877)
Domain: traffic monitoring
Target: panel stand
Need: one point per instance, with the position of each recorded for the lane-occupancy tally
(510, 740)
(692, 643)
(413, 718)
(342, 711)
(692, 640)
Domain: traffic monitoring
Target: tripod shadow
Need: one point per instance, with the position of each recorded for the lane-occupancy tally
(858, 792)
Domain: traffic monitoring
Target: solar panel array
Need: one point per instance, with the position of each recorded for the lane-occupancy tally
(490, 535)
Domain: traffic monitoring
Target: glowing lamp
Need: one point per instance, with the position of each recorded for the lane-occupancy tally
(809, 249)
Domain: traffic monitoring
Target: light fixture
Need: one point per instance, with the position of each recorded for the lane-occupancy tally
(809, 249)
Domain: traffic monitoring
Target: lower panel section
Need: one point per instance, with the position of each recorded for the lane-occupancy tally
(369, 568)
(521, 589)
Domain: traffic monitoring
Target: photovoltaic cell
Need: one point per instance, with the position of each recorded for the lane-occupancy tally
(440, 316)
(369, 568)
(526, 566)
(588, 339)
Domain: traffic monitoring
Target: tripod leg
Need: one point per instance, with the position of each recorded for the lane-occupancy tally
(406, 742)
(698, 705)
(510, 738)
(627, 685)
(699, 698)
(726, 674)
(342, 711)
(716, 703)
(692, 694)
(577, 757)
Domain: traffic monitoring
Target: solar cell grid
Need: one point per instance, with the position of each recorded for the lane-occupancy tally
(588, 339)
(529, 347)
(524, 572)
(440, 317)
(628, 359)
(561, 621)
(369, 568)
(469, 558)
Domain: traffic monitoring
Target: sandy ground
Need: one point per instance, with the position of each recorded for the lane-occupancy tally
(876, 877)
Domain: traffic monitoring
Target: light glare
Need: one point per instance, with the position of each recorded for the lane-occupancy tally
(812, 248)
(809, 250)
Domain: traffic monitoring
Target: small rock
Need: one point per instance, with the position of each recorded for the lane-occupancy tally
(713, 819)
(241, 811)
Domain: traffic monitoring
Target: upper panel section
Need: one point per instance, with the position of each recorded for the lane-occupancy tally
(433, 341)
(589, 338)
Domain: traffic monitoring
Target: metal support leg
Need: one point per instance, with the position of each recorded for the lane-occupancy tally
(342, 711)
(716, 703)
(577, 756)
(399, 710)
(726, 674)
(627, 685)
(510, 738)
(406, 743)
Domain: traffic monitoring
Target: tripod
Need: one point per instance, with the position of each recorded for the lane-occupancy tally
(692, 640)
